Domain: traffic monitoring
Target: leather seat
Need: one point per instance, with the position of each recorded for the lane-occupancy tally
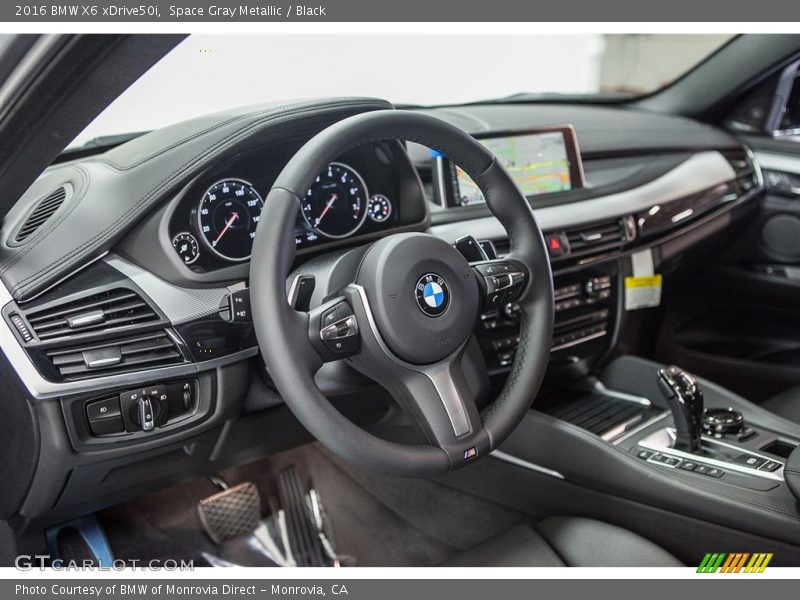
(786, 404)
(566, 542)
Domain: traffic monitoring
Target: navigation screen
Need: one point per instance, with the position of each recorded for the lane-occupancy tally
(540, 163)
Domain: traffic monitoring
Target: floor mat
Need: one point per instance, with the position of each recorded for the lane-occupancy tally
(378, 520)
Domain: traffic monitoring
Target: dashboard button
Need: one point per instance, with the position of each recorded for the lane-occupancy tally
(107, 426)
(103, 409)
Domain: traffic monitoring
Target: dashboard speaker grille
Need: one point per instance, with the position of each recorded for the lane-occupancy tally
(45, 209)
(105, 310)
(147, 350)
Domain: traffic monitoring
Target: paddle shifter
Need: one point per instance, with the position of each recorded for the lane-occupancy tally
(685, 400)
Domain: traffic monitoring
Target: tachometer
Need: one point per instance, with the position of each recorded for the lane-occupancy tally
(336, 203)
(227, 218)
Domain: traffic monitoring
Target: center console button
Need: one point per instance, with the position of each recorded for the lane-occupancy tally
(688, 465)
(749, 460)
(715, 472)
(702, 469)
(770, 466)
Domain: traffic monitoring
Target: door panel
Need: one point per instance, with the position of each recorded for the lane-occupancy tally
(736, 320)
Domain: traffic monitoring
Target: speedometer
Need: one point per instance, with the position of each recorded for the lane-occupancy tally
(336, 203)
(227, 218)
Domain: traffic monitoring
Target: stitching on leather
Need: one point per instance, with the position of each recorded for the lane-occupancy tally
(48, 227)
(205, 155)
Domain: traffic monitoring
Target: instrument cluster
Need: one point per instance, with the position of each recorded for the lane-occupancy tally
(215, 222)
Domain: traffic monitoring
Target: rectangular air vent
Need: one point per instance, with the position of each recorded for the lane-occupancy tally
(741, 163)
(45, 209)
(143, 351)
(599, 237)
(105, 310)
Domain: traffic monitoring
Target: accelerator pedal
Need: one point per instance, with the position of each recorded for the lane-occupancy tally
(304, 540)
(233, 512)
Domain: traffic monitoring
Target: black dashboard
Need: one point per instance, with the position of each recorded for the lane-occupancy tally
(153, 242)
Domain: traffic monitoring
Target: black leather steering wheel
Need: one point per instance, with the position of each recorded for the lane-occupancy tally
(407, 314)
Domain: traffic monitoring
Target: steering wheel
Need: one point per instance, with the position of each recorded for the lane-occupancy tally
(405, 314)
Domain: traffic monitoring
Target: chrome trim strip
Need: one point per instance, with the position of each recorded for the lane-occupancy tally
(525, 464)
(41, 389)
(664, 448)
(698, 173)
(602, 389)
(651, 421)
(778, 162)
(588, 338)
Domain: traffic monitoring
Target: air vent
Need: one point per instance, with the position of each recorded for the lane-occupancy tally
(146, 350)
(599, 237)
(106, 310)
(43, 211)
(742, 165)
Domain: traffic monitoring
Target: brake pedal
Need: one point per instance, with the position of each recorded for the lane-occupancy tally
(230, 513)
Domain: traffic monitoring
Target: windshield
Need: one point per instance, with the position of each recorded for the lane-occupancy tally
(210, 73)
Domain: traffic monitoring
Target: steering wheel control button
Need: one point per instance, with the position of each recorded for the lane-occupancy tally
(502, 283)
(339, 331)
(433, 294)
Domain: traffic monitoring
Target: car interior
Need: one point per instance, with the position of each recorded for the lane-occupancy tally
(344, 331)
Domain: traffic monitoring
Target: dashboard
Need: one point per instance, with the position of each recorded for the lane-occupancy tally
(141, 296)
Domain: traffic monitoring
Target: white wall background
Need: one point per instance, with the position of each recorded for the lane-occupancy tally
(208, 73)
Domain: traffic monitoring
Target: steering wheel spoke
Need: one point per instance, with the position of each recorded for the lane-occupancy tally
(442, 398)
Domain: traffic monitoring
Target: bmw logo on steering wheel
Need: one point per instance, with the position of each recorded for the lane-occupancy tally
(433, 295)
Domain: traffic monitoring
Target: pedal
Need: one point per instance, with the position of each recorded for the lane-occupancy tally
(230, 513)
(304, 540)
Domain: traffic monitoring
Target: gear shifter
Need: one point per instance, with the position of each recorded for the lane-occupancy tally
(685, 400)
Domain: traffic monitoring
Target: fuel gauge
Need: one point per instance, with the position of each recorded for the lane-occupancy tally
(380, 208)
(186, 246)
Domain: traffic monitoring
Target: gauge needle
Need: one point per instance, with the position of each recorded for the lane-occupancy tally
(231, 220)
(327, 208)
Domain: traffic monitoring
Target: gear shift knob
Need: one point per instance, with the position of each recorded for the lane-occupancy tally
(685, 400)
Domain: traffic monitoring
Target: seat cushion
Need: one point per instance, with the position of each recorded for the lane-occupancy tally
(786, 404)
(566, 541)
(589, 543)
